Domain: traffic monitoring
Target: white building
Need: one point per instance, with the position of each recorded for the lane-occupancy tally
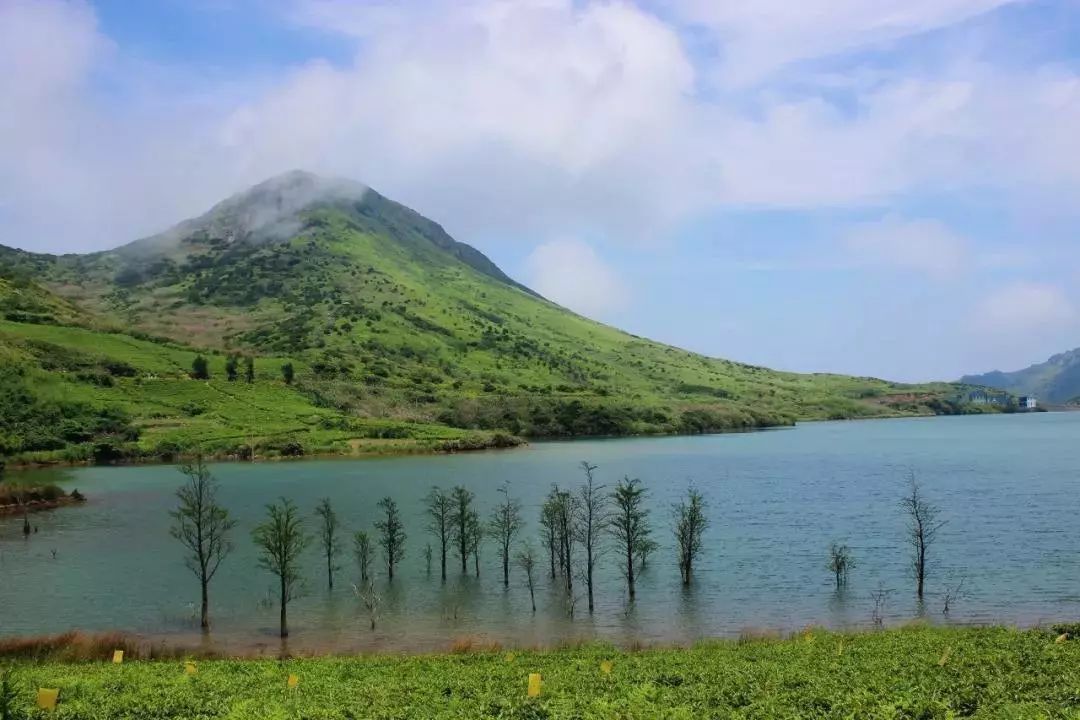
(1028, 402)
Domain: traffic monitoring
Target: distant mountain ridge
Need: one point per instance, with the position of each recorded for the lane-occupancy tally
(1056, 381)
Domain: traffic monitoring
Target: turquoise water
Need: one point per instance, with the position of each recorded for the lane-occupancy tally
(1007, 485)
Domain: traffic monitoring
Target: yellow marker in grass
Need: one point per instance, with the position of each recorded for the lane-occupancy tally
(840, 649)
(189, 668)
(118, 656)
(534, 685)
(944, 657)
(510, 657)
(47, 697)
(606, 666)
(1062, 638)
(293, 682)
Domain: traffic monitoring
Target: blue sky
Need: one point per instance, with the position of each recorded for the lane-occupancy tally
(880, 187)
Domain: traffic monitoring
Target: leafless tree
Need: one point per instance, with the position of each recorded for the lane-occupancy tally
(427, 558)
(461, 517)
(690, 525)
(630, 527)
(504, 526)
(391, 534)
(549, 530)
(370, 599)
(952, 593)
(202, 526)
(526, 560)
(281, 540)
(592, 525)
(923, 526)
(328, 537)
(840, 562)
(476, 538)
(562, 509)
(439, 509)
(880, 598)
(365, 553)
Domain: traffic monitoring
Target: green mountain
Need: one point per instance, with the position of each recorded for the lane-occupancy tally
(1056, 381)
(400, 338)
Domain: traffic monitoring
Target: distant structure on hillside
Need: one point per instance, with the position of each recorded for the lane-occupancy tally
(983, 397)
(1028, 402)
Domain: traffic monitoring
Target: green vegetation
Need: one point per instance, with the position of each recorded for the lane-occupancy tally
(364, 328)
(917, 672)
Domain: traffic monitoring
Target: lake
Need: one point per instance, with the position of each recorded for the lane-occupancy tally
(1007, 486)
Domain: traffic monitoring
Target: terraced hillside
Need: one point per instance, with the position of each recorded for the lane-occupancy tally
(398, 335)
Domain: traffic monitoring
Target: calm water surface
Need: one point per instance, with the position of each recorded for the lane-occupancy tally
(1008, 487)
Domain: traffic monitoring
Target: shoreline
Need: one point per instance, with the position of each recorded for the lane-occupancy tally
(448, 447)
(78, 645)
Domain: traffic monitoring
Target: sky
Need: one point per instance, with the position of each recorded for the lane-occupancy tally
(873, 187)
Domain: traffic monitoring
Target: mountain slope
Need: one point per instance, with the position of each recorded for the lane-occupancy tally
(1056, 381)
(386, 319)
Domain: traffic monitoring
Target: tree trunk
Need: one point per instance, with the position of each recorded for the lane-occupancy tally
(284, 615)
(506, 566)
(330, 570)
(444, 559)
(205, 614)
(630, 571)
(532, 597)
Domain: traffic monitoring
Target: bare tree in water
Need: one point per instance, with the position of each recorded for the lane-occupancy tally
(365, 553)
(592, 525)
(630, 528)
(370, 599)
(391, 534)
(504, 526)
(281, 541)
(461, 514)
(439, 508)
(202, 526)
(526, 560)
(328, 537)
(923, 526)
(690, 525)
(840, 562)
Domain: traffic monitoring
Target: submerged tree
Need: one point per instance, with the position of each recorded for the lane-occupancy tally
(202, 526)
(840, 562)
(690, 524)
(593, 519)
(549, 531)
(328, 537)
(439, 508)
(365, 553)
(559, 518)
(526, 560)
(923, 527)
(476, 537)
(644, 549)
(504, 526)
(630, 528)
(281, 541)
(370, 599)
(391, 534)
(461, 517)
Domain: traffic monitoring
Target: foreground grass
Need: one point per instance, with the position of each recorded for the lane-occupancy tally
(907, 673)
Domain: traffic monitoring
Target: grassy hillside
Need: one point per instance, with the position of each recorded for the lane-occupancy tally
(1055, 381)
(392, 326)
(914, 673)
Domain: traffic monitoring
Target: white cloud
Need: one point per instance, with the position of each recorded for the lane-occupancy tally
(1024, 307)
(922, 245)
(762, 36)
(570, 273)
